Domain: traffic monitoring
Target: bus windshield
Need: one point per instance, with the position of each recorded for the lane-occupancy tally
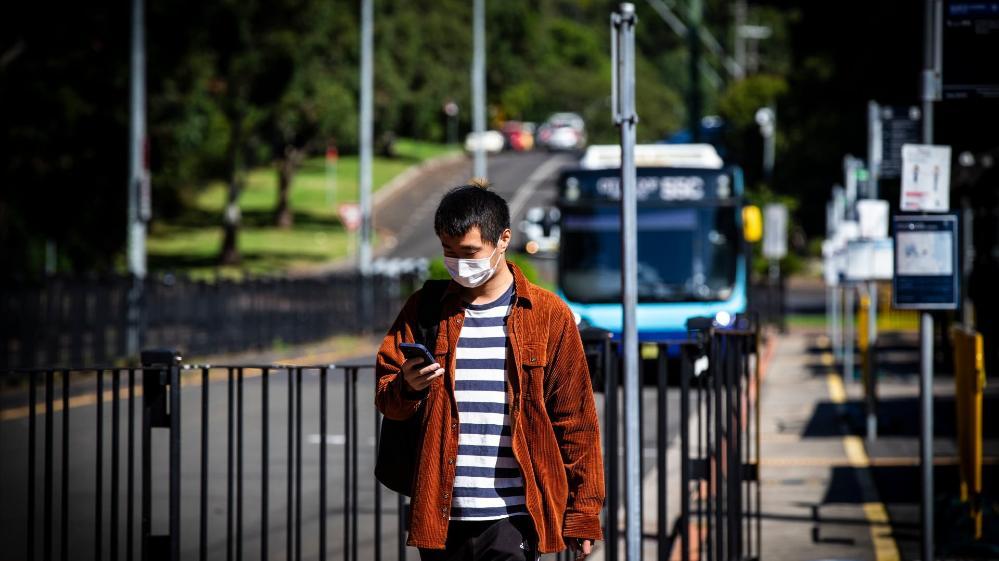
(684, 254)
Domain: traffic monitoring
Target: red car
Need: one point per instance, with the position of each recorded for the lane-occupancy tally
(518, 136)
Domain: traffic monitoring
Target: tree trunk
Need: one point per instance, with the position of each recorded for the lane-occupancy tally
(231, 217)
(287, 167)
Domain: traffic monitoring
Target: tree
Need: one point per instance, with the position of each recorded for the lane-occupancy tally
(314, 107)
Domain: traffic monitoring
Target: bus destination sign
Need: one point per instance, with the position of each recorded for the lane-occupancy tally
(666, 185)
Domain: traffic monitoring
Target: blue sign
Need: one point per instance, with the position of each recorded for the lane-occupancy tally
(653, 185)
(926, 262)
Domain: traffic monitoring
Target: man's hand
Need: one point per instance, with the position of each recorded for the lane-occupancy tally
(582, 548)
(417, 379)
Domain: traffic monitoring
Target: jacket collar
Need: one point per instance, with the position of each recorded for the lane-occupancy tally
(521, 286)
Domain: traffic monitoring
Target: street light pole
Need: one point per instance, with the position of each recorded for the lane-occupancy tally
(479, 85)
(366, 133)
(694, 47)
(138, 179)
(930, 81)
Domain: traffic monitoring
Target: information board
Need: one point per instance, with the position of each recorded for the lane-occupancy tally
(926, 266)
(970, 41)
(925, 178)
(872, 215)
(774, 231)
(900, 125)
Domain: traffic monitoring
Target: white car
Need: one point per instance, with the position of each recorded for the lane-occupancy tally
(563, 131)
(490, 141)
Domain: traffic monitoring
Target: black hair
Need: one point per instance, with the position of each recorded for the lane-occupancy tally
(469, 206)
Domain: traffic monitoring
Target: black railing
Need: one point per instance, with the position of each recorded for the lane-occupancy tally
(768, 302)
(717, 509)
(83, 320)
(238, 461)
(217, 461)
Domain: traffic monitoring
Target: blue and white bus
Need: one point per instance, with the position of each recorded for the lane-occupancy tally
(691, 249)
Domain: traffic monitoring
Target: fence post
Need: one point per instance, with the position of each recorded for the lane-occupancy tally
(161, 409)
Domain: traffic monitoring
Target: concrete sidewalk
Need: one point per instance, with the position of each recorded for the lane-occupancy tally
(819, 498)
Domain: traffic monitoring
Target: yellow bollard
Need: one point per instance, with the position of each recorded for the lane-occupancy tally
(969, 386)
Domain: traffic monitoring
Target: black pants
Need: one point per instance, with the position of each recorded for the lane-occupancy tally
(506, 539)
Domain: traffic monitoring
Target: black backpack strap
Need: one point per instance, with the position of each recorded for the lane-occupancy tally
(429, 313)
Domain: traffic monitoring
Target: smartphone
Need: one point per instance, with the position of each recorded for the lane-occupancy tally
(416, 350)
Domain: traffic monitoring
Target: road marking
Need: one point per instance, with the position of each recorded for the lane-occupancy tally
(885, 548)
(892, 461)
(333, 439)
(535, 179)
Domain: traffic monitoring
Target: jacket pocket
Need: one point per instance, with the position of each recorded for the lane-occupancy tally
(534, 360)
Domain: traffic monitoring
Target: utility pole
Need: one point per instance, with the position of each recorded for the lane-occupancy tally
(479, 85)
(139, 204)
(930, 92)
(739, 39)
(623, 107)
(694, 42)
(366, 133)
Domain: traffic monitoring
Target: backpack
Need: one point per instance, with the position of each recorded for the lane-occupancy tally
(399, 441)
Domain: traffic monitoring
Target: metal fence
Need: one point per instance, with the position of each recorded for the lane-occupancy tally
(713, 380)
(194, 462)
(85, 320)
(175, 461)
(768, 302)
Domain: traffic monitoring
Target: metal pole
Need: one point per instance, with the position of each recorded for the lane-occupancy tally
(366, 132)
(837, 335)
(849, 333)
(871, 391)
(696, 14)
(479, 84)
(739, 39)
(926, 432)
(626, 119)
(874, 157)
(138, 179)
(931, 47)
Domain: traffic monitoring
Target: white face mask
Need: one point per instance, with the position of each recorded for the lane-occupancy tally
(471, 273)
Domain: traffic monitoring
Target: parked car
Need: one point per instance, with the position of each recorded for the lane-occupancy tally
(563, 131)
(519, 136)
(490, 141)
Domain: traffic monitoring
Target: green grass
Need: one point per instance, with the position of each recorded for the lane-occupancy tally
(192, 242)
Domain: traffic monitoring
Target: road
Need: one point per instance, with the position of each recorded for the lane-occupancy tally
(82, 454)
(405, 220)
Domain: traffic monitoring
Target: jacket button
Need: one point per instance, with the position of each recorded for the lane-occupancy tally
(450, 461)
(445, 495)
(443, 509)
(454, 426)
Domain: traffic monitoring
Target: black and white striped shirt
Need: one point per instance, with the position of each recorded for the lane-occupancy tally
(488, 484)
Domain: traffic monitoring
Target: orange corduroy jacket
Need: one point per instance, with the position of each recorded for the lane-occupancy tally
(554, 430)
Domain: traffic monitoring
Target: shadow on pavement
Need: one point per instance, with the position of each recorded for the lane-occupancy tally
(899, 417)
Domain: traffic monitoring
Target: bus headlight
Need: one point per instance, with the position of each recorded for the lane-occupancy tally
(723, 319)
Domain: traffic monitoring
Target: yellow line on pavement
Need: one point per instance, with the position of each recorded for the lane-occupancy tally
(891, 461)
(885, 548)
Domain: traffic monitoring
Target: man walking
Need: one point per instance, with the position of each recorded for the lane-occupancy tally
(509, 460)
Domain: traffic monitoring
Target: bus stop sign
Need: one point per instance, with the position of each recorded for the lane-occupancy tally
(775, 231)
